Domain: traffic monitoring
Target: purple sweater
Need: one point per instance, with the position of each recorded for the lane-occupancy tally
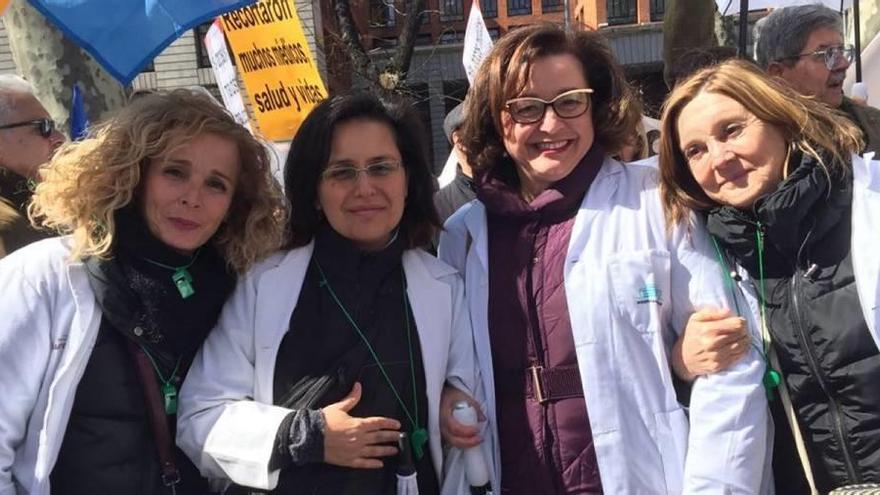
(546, 445)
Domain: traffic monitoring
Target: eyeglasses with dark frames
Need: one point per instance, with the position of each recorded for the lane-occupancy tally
(44, 126)
(832, 55)
(567, 105)
(347, 174)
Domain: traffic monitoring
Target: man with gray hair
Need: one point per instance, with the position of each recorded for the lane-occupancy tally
(27, 140)
(803, 45)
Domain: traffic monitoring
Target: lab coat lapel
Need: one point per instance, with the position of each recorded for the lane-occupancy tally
(277, 293)
(865, 238)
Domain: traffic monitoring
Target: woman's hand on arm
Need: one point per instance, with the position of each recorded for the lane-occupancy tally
(453, 432)
(357, 442)
(712, 341)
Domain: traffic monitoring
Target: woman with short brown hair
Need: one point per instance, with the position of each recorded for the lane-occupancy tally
(576, 289)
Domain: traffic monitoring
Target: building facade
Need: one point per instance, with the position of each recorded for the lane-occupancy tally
(436, 78)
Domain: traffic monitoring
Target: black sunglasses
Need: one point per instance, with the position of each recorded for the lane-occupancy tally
(45, 126)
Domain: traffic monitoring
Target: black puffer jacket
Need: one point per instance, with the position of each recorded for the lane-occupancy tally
(828, 357)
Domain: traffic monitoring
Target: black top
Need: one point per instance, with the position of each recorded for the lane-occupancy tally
(454, 195)
(828, 357)
(109, 445)
(322, 341)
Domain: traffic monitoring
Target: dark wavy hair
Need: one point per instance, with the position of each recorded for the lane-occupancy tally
(310, 152)
(616, 108)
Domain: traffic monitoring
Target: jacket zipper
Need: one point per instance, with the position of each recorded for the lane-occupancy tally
(834, 409)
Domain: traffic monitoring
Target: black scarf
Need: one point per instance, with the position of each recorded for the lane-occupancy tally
(14, 188)
(135, 293)
(804, 206)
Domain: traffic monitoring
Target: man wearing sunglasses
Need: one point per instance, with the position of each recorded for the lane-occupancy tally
(803, 45)
(27, 140)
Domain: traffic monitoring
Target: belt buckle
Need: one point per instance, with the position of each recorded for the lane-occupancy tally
(537, 388)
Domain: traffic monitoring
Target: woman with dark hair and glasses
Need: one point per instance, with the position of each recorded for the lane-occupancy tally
(576, 291)
(336, 346)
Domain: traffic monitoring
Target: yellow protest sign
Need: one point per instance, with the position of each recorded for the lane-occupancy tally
(274, 60)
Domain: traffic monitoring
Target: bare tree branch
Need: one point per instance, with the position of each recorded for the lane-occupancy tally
(351, 38)
(402, 57)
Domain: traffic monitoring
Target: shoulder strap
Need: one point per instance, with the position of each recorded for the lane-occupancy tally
(158, 418)
(793, 424)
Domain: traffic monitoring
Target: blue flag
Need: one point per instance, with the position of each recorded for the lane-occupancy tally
(79, 121)
(125, 35)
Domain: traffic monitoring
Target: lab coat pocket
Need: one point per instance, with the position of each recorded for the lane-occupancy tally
(671, 434)
(640, 287)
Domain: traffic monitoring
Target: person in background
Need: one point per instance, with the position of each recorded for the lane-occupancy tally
(333, 347)
(28, 138)
(577, 290)
(792, 212)
(163, 206)
(803, 45)
(461, 190)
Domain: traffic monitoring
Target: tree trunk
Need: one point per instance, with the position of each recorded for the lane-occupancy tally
(687, 24)
(52, 64)
(392, 75)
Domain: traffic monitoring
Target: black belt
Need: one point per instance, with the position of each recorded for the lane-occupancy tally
(544, 384)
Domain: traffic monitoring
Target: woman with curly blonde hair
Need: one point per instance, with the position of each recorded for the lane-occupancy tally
(165, 204)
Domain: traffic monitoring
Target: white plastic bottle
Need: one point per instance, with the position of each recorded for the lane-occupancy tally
(476, 471)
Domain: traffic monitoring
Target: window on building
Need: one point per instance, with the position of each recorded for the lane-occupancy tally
(421, 97)
(489, 8)
(451, 36)
(454, 93)
(383, 13)
(621, 11)
(519, 7)
(387, 42)
(451, 10)
(551, 6)
(658, 7)
(424, 39)
(494, 33)
(202, 56)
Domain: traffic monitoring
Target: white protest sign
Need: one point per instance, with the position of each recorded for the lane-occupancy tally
(477, 42)
(224, 73)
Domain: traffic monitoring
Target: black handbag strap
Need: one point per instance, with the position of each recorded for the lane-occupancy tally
(158, 418)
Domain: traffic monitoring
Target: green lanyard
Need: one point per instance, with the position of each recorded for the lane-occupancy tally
(181, 276)
(169, 390)
(771, 377)
(419, 436)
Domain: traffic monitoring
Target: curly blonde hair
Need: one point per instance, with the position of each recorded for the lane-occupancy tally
(87, 181)
(805, 123)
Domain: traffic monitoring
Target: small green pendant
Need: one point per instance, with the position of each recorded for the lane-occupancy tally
(771, 381)
(183, 281)
(418, 439)
(169, 394)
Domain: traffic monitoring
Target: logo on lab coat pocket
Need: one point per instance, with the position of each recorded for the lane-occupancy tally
(650, 294)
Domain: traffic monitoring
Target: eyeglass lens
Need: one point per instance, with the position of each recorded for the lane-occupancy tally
(531, 110)
(835, 55)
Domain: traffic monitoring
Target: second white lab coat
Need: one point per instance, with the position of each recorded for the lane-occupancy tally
(630, 286)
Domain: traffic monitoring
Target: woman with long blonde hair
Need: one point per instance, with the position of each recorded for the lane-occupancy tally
(163, 205)
(792, 213)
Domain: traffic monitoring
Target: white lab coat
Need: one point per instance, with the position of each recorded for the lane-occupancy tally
(227, 423)
(630, 286)
(49, 321)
